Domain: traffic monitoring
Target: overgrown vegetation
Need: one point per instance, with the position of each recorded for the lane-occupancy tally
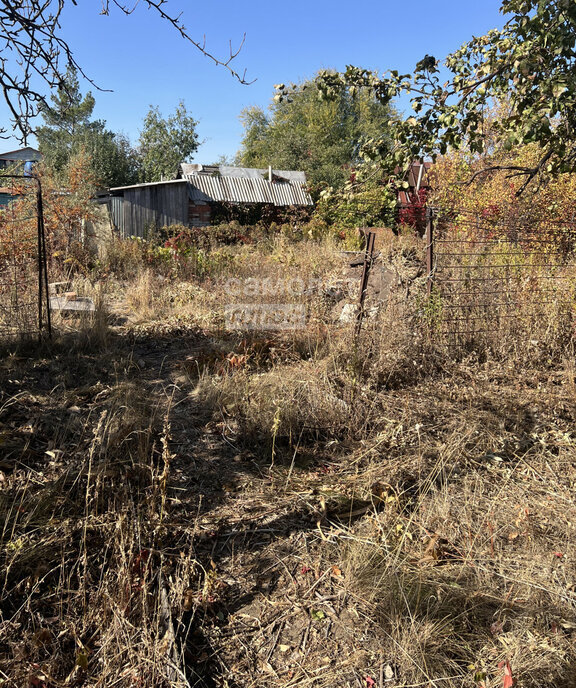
(218, 479)
(185, 504)
(321, 137)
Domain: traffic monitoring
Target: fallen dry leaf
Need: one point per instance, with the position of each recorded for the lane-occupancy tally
(508, 680)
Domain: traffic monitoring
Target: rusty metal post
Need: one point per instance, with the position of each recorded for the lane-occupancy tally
(368, 258)
(44, 264)
(429, 251)
(39, 267)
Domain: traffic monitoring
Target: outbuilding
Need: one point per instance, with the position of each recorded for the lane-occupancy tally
(193, 199)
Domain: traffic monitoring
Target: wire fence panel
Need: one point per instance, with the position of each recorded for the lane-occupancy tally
(495, 282)
(24, 304)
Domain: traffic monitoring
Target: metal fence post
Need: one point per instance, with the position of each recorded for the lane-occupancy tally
(429, 251)
(368, 258)
(44, 262)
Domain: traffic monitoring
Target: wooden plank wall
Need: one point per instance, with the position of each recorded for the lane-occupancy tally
(150, 207)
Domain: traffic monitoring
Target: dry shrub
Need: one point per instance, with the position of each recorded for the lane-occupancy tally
(146, 296)
(294, 406)
(109, 612)
(123, 258)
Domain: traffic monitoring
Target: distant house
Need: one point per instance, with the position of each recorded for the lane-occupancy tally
(19, 161)
(418, 181)
(412, 202)
(192, 199)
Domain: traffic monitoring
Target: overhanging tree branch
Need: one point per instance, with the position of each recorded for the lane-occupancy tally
(176, 22)
(34, 56)
(530, 64)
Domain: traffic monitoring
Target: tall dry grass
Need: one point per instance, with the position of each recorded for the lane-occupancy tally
(184, 505)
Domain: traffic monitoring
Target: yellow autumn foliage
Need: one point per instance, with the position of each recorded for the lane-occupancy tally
(470, 191)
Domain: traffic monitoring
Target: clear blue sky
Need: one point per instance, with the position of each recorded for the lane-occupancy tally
(144, 62)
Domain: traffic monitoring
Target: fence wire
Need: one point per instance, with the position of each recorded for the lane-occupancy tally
(24, 303)
(492, 280)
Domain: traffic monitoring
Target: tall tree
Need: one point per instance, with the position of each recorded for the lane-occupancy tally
(69, 129)
(65, 119)
(320, 137)
(530, 64)
(34, 54)
(166, 142)
(69, 110)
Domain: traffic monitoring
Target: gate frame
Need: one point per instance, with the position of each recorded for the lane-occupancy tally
(42, 257)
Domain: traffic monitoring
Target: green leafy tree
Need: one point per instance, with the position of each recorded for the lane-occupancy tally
(367, 204)
(114, 160)
(529, 64)
(322, 137)
(68, 129)
(166, 142)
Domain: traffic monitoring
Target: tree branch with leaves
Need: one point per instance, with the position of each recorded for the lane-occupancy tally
(530, 64)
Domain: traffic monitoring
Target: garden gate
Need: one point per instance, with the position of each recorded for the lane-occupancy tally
(24, 299)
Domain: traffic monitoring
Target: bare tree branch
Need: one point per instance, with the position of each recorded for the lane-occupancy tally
(34, 56)
(516, 171)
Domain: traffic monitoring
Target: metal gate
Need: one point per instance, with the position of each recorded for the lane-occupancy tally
(490, 278)
(24, 300)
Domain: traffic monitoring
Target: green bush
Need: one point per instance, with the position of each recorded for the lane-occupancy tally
(368, 206)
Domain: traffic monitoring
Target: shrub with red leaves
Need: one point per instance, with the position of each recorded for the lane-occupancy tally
(414, 214)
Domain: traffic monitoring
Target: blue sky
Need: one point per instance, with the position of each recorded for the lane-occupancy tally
(144, 62)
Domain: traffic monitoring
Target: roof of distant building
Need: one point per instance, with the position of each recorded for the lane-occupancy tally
(227, 184)
(192, 169)
(27, 154)
(417, 179)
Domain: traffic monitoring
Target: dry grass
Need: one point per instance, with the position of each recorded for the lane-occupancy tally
(187, 506)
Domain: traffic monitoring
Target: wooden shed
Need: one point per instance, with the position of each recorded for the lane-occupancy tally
(135, 210)
(191, 200)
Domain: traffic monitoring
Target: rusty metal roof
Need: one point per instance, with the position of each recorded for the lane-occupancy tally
(238, 185)
(187, 169)
(207, 188)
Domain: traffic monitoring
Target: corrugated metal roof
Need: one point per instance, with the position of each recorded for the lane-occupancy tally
(207, 188)
(187, 169)
(138, 186)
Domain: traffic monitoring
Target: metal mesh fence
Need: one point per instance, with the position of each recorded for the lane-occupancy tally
(24, 305)
(490, 279)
